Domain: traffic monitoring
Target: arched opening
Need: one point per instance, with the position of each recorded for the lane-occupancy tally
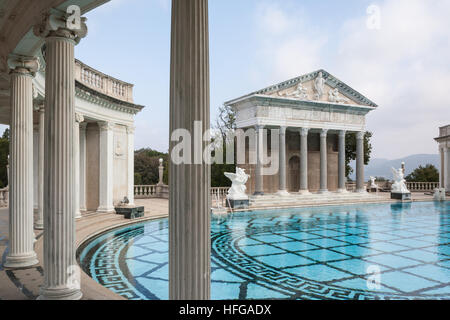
(294, 174)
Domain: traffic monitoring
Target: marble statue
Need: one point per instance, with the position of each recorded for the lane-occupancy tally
(319, 86)
(238, 188)
(333, 96)
(439, 194)
(373, 185)
(399, 185)
(300, 92)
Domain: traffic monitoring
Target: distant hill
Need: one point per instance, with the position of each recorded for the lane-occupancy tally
(382, 167)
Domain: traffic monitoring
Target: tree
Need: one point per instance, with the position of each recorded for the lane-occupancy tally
(146, 166)
(429, 173)
(350, 150)
(226, 120)
(4, 153)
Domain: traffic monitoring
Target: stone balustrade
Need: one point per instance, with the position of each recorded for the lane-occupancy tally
(103, 83)
(151, 191)
(219, 195)
(422, 186)
(4, 197)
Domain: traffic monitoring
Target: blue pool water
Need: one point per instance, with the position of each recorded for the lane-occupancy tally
(309, 253)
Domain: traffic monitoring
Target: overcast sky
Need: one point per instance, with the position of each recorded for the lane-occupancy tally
(403, 66)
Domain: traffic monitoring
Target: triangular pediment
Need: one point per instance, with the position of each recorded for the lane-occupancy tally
(318, 86)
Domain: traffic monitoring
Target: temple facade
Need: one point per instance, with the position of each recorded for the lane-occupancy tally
(444, 152)
(313, 114)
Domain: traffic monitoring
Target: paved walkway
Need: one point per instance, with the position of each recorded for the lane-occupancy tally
(25, 283)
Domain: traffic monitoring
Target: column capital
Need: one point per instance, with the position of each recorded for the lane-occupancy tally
(105, 126)
(324, 133)
(283, 130)
(39, 106)
(360, 135)
(304, 132)
(56, 24)
(83, 126)
(259, 127)
(23, 65)
(79, 118)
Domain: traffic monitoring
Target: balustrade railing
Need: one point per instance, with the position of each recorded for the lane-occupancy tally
(103, 83)
(422, 186)
(151, 191)
(4, 197)
(218, 196)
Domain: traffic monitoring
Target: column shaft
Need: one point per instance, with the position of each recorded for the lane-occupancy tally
(259, 178)
(59, 187)
(76, 156)
(282, 162)
(106, 168)
(39, 223)
(304, 161)
(130, 159)
(341, 163)
(21, 237)
(189, 200)
(360, 162)
(83, 167)
(323, 162)
(447, 168)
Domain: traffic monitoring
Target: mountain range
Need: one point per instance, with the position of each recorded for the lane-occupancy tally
(379, 167)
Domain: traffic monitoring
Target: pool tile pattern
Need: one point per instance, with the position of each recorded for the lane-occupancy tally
(309, 253)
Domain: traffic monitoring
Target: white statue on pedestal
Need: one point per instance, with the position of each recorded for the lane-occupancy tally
(399, 185)
(373, 185)
(238, 188)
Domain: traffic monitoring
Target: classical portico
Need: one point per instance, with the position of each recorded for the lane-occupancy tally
(313, 114)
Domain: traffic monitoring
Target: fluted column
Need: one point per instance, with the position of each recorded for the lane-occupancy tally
(76, 155)
(259, 179)
(304, 161)
(130, 135)
(447, 168)
(189, 200)
(323, 162)
(106, 168)
(282, 165)
(39, 223)
(83, 167)
(360, 162)
(21, 237)
(60, 277)
(341, 163)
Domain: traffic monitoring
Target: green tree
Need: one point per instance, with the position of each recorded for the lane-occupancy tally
(146, 166)
(350, 150)
(4, 153)
(429, 173)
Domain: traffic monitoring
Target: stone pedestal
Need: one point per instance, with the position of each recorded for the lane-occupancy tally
(189, 186)
(401, 196)
(238, 203)
(21, 236)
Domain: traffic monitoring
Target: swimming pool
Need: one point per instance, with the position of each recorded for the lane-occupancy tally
(334, 252)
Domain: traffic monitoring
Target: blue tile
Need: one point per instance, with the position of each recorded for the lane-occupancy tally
(420, 255)
(392, 261)
(412, 243)
(295, 246)
(385, 246)
(302, 236)
(432, 272)
(356, 251)
(405, 282)
(355, 266)
(324, 255)
(259, 250)
(318, 273)
(255, 291)
(362, 284)
(325, 243)
(284, 260)
(269, 238)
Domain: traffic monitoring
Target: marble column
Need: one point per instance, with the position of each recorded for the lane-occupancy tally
(259, 178)
(282, 163)
(130, 135)
(83, 167)
(447, 168)
(21, 236)
(341, 163)
(76, 167)
(39, 223)
(189, 186)
(360, 162)
(304, 161)
(61, 279)
(323, 162)
(106, 168)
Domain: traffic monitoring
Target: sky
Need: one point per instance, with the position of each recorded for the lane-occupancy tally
(400, 61)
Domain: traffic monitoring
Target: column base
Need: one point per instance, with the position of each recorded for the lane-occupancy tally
(106, 210)
(259, 193)
(78, 215)
(39, 225)
(324, 191)
(361, 191)
(22, 261)
(282, 193)
(342, 191)
(60, 294)
(304, 192)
